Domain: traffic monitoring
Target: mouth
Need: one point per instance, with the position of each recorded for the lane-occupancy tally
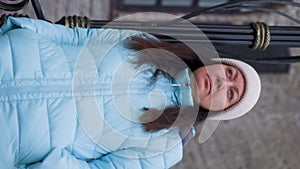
(208, 84)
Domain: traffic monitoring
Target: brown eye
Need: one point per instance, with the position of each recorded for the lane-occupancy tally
(230, 94)
(229, 73)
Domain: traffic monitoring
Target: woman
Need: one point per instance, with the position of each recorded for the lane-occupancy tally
(87, 98)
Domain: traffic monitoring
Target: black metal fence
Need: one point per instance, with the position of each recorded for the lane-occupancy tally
(251, 37)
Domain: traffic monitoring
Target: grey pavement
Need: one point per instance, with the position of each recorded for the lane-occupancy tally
(266, 138)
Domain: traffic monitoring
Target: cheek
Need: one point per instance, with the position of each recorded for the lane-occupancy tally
(219, 101)
(216, 101)
(205, 101)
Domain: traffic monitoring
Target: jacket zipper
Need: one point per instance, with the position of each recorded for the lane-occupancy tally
(178, 84)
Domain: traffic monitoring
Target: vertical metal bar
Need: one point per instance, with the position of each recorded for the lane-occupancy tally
(113, 8)
(37, 9)
(195, 2)
(158, 3)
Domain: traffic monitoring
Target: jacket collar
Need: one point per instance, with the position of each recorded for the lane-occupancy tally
(183, 81)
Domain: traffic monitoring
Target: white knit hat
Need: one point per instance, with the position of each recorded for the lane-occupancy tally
(250, 96)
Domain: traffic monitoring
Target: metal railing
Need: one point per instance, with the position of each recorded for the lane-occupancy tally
(256, 35)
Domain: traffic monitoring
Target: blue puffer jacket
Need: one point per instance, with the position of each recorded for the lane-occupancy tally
(70, 99)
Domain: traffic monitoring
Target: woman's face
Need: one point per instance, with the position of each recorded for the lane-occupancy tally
(220, 86)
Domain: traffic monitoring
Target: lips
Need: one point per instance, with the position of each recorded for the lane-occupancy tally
(208, 84)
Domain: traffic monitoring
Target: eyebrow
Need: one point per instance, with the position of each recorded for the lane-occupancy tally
(236, 73)
(238, 93)
(236, 89)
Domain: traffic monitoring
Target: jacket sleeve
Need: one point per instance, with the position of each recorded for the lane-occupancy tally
(63, 159)
(68, 36)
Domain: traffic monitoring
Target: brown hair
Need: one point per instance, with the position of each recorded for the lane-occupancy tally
(154, 119)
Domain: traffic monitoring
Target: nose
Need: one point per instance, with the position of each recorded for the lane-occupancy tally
(224, 83)
(220, 83)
